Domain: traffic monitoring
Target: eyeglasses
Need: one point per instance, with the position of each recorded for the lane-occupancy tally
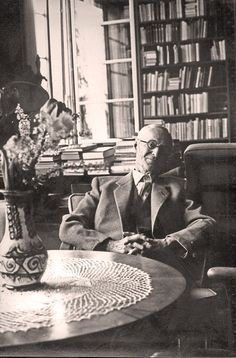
(152, 144)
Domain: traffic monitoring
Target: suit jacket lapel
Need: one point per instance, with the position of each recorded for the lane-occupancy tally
(122, 195)
(158, 196)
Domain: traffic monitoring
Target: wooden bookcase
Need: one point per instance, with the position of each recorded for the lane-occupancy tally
(187, 72)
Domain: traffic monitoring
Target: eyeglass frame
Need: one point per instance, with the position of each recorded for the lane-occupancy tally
(156, 144)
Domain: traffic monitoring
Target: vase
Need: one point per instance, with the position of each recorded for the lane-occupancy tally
(23, 257)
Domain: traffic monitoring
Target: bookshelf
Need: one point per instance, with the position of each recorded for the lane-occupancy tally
(186, 62)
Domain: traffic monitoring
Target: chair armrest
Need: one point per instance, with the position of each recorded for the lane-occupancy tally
(222, 273)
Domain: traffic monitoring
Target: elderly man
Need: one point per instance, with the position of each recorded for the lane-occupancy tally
(144, 212)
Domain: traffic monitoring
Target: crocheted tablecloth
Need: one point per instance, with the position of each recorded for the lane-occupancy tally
(73, 289)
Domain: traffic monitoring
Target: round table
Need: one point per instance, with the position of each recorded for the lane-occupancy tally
(167, 286)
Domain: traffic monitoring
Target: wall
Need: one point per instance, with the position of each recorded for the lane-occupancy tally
(11, 40)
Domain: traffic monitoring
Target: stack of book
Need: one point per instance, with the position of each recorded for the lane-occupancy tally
(149, 58)
(98, 161)
(124, 156)
(173, 83)
(72, 158)
(48, 162)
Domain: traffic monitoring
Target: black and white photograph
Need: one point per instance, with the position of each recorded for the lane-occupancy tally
(118, 178)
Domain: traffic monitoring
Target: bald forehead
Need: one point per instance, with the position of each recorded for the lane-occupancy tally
(155, 132)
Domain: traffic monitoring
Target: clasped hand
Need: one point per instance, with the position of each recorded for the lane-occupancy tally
(134, 244)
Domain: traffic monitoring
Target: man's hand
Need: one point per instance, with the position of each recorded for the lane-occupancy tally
(118, 246)
(136, 244)
(140, 244)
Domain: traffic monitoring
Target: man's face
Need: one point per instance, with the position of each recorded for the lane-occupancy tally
(151, 158)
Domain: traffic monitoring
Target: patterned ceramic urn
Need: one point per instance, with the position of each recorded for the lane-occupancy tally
(23, 258)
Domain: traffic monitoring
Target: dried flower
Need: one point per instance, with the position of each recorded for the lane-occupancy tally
(35, 136)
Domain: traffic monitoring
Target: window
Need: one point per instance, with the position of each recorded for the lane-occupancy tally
(90, 62)
(105, 67)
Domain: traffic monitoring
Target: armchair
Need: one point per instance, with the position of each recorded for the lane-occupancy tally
(211, 181)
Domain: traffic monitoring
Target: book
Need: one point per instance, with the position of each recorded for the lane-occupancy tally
(99, 152)
(102, 171)
(69, 171)
(46, 168)
(74, 152)
(50, 156)
(71, 156)
(99, 160)
(209, 76)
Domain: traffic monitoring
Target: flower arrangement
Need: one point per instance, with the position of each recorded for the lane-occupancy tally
(31, 138)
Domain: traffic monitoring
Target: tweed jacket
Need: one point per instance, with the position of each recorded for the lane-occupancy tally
(101, 213)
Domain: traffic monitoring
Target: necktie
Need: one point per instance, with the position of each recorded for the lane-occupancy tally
(144, 186)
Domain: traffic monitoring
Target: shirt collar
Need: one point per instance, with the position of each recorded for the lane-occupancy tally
(137, 176)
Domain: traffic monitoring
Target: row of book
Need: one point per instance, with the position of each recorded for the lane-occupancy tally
(193, 52)
(182, 103)
(172, 9)
(199, 52)
(193, 30)
(157, 33)
(160, 10)
(197, 129)
(218, 50)
(194, 8)
(187, 78)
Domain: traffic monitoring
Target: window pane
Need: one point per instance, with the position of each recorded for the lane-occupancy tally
(120, 80)
(119, 9)
(90, 68)
(122, 114)
(118, 41)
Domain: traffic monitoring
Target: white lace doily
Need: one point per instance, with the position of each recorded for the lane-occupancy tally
(72, 290)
